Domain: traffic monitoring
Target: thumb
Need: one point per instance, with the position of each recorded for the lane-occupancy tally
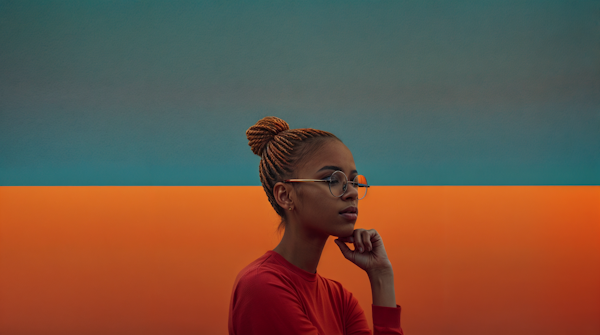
(344, 249)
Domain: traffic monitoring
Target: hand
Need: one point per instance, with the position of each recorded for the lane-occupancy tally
(369, 253)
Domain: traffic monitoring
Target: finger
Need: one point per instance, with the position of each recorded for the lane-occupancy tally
(366, 237)
(344, 249)
(347, 239)
(375, 239)
(358, 242)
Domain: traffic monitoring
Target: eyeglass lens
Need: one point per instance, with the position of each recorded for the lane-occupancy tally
(360, 182)
(339, 183)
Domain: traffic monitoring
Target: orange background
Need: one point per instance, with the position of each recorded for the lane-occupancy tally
(162, 260)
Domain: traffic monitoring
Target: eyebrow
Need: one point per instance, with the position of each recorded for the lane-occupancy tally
(331, 167)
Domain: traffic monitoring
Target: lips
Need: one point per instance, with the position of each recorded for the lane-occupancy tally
(350, 209)
(350, 213)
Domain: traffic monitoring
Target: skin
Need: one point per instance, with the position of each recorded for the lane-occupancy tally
(315, 215)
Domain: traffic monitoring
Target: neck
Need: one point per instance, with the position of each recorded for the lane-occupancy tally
(301, 248)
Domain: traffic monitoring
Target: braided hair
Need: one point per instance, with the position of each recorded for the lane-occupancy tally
(280, 149)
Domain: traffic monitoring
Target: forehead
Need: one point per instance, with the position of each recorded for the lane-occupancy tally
(329, 153)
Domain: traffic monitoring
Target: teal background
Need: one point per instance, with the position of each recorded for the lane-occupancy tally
(423, 93)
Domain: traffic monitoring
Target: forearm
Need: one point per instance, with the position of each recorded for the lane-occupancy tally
(382, 288)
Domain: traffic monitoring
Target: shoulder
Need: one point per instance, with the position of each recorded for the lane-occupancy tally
(261, 279)
(262, 290)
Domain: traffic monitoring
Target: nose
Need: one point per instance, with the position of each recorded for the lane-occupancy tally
(351, 192)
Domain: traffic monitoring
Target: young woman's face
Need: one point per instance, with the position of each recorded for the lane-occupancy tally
(316, 208)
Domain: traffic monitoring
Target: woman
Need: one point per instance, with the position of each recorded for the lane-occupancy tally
(311, 181)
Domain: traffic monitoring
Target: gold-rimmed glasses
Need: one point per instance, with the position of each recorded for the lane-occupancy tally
(338, 183)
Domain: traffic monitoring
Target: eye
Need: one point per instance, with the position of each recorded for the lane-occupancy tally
(334, 180)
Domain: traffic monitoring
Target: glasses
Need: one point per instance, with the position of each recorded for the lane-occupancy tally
(338, 184)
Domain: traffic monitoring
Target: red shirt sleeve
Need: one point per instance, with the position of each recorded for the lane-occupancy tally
(386, 320)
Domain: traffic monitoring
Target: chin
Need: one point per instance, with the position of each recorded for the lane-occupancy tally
(347, 231)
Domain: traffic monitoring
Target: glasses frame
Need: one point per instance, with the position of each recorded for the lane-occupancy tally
(328, 180)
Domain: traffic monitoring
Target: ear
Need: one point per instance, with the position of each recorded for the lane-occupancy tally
(282, 194)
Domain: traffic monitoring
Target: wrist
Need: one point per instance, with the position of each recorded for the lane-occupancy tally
(382, 287)
(385, 272)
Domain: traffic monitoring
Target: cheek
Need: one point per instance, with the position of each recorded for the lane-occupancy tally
(314, 205)
(324, 207)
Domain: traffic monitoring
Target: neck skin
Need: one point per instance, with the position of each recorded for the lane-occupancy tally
(301, 248)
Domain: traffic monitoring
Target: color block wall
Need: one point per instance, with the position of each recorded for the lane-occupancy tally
(129, 198)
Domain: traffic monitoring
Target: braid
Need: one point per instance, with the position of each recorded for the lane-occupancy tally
(279, 149)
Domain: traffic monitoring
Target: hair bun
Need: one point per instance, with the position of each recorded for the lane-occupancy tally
(263, 132)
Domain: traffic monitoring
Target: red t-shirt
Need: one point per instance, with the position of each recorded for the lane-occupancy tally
(273, 296)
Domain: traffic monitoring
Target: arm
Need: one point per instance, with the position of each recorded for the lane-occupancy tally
(369, 254)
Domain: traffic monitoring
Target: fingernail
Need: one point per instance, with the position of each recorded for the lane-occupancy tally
(360, 249)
